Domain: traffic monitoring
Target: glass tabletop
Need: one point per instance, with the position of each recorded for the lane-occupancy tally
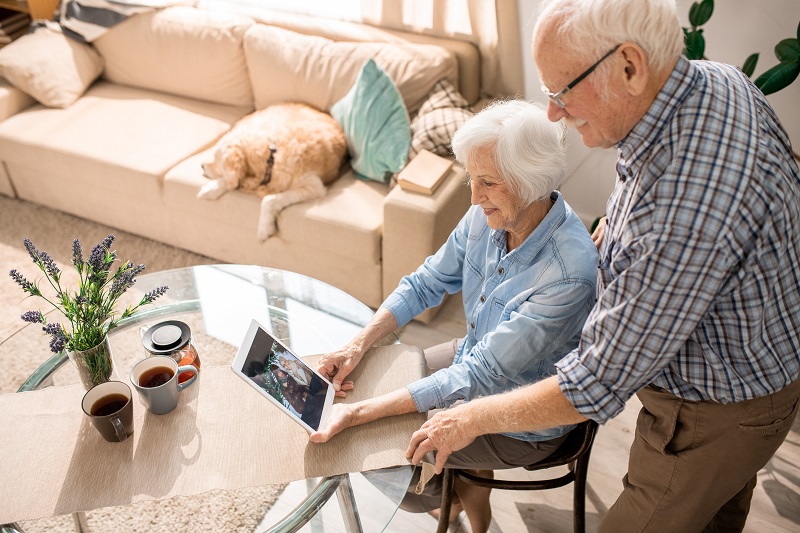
(218, 303)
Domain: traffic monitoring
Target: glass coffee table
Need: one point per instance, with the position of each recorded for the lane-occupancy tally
(218, 302)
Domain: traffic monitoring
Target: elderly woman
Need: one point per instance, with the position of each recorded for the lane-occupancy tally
(525, 266)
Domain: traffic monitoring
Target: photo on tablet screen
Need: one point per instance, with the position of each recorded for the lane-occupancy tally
(285, 378)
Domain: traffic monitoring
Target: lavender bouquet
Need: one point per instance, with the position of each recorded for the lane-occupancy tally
(90, 309)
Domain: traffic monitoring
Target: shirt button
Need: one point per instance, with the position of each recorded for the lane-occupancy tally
(472, 325)
(501, 270)
(483, 299)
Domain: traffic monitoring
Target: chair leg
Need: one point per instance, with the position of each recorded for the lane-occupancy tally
(579, 492)
(448, 484)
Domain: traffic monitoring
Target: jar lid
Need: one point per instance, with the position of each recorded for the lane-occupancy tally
(166, 337)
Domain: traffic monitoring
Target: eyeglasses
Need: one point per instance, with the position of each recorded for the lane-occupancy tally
(556, 97)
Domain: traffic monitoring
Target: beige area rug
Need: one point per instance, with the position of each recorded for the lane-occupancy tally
(53, 232)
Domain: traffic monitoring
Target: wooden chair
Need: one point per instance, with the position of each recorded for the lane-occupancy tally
(574, 453)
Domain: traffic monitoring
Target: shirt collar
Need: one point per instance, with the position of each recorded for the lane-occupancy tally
(529, 249)
(647, 131)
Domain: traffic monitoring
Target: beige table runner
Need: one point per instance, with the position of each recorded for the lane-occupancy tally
(222, 435)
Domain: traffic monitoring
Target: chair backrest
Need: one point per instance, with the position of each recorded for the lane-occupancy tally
(578, 441)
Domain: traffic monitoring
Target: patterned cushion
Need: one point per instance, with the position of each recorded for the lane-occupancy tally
(443, 112)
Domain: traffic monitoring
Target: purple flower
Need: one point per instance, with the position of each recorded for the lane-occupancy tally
(26, 285)
(34, 317)
(101, 257)
(77, 253)
(155, 293)
(58, 342)
(32, 251)
(53, 328)
(59, 338)
(50, 265)
(97, 258)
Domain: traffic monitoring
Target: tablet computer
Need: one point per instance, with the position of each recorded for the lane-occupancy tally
(268, 366)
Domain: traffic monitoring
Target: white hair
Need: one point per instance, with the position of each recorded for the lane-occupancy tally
(529, 149)
(593, 27)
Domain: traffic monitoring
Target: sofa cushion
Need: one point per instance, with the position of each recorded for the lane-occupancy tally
(375, 122)
(319, 72)
(347, 221)
(180, 50)
(116, 141)
(50, 67)
(443, 112)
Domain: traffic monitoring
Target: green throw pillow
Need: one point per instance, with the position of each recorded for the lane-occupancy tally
(375, 122)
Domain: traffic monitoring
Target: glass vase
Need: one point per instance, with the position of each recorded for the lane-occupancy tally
(94, 365)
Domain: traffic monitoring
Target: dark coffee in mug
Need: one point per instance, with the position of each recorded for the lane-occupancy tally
(109, 404)
(155, 377)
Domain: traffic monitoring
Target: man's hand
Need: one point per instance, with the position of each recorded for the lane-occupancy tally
(599, 233)
(336, 366)
(446, 432)
(342, 417)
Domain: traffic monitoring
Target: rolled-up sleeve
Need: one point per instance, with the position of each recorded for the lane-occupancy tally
(520, 350)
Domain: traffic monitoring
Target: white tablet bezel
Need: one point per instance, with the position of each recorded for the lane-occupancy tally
(238, 368)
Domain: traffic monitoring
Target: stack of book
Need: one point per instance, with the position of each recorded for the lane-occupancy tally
(13, 24)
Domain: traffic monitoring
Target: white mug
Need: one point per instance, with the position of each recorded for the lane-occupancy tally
(156, 380)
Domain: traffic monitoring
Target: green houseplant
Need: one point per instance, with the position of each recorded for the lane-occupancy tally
(90, 309)
(773, 79)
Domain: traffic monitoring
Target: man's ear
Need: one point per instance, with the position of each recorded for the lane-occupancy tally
(637, 69)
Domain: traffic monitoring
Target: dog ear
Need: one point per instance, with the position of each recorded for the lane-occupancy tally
(234, 165)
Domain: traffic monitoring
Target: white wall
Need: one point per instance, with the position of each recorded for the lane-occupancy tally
(736, 29)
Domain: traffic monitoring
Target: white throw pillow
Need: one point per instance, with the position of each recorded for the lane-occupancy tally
(289, 66)
(50, 67)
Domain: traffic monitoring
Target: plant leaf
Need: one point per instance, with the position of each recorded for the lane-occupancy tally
(787, 50)
(695, 44)
(750, 65)
(699, 13)
(778, 77)
(798, 31)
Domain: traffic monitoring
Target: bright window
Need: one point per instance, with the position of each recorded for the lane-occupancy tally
(341, 9)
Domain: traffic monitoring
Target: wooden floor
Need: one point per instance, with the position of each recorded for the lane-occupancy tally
(775, 507)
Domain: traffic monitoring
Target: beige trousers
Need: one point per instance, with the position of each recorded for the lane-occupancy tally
(693, 465)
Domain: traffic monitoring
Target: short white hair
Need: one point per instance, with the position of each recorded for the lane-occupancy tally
(593, 27)
(529, 149)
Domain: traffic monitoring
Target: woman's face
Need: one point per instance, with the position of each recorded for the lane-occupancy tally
(501, 207)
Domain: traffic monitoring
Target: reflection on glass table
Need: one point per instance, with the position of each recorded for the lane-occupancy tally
(218, 303)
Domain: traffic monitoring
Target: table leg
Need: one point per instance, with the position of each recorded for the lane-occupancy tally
(347, 505)
(81, 525)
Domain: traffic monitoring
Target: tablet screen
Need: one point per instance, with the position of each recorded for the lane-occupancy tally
(285, 378)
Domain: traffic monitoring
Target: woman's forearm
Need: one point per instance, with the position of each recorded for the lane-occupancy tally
(394, 403)
(382, 324)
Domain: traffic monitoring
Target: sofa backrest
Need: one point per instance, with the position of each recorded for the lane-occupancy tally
(181, 50)
(289, 66)
(466, 53)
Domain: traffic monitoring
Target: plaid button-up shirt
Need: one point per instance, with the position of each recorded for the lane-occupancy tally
(699, 276)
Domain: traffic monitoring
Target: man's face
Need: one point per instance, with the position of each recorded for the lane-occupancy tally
(599, 120)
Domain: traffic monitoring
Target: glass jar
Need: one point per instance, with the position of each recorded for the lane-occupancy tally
(172, 338)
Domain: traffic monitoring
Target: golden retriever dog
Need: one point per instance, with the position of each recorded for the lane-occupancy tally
(284, 153)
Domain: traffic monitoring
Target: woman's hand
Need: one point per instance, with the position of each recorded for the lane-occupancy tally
(336, 366)
(342, 417)
(599, 233)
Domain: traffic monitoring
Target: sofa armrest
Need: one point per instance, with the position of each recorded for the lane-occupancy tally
(416, 225)
(12, 100)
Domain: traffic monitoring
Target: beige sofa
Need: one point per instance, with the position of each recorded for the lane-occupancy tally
(127, 152)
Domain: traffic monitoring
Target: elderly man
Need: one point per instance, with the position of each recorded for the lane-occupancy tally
(698, 307)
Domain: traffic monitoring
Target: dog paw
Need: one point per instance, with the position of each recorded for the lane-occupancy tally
(266, 228)
(211, 190)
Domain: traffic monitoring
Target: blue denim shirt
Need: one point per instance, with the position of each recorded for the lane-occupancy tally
(524, 308)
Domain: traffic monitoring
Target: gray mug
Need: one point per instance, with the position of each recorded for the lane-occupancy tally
(109, 406)
(156, 380)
